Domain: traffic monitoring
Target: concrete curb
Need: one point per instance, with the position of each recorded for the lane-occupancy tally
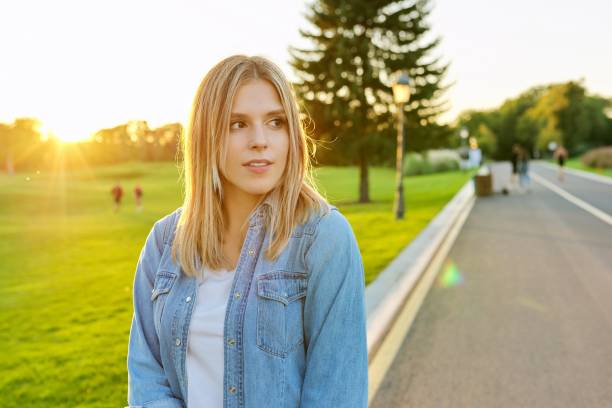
(388, 293)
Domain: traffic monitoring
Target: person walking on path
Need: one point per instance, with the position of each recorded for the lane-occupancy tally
(117, 193)
(252, 293)
(474, 154)
(523, 169)
(516, 150)
(138, 197)
(560, 155)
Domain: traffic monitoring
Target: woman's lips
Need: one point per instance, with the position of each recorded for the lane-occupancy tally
(258, 168)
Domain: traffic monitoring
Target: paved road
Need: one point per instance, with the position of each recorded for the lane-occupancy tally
(531, 323)
(597, 194)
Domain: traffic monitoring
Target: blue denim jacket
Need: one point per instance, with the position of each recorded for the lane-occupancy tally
(295, 328)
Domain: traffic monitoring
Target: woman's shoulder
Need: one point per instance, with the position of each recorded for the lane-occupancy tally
(329, 223)
(166, 225)
(333, 248)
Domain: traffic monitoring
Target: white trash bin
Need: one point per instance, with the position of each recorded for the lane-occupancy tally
(502, 176)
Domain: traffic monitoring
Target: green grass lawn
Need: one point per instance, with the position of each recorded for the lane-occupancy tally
(577, 164)
(67, 264)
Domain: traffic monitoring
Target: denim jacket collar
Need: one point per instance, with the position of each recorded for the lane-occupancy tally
(257, 218)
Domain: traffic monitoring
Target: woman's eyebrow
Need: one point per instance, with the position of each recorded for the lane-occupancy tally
(279, 112)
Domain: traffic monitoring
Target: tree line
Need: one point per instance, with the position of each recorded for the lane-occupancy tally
(344, 80)
(546, 115)
(24, 147)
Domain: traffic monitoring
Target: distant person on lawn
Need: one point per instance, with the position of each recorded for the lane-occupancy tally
(138, 197)
(117, 193)
(252, 293)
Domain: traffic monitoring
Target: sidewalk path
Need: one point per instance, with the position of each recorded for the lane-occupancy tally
(524, 318)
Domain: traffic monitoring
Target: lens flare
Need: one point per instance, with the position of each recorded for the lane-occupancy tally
(450, 276)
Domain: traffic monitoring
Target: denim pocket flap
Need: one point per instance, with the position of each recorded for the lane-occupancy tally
(283, 287)
(163, 284)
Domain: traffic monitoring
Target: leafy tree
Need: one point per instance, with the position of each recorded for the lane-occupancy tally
(479, 124)
(6, 149)
(511, 127)
(598, 114)
(24, 148)
(344, 79)
(486, 139)
(162, 143)
(561, 113)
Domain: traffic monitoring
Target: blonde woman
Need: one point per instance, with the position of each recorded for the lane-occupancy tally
(252, 293)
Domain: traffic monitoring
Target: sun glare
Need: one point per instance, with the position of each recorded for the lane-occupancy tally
(72, 138)
(71, 133)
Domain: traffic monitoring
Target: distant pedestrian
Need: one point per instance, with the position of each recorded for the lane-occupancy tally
(138, 197)
(474, 154)
(117, 193)
(560, 155)
(523, 169)
(515, 161)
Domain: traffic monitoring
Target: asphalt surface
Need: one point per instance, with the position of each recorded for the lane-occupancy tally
(521, 314)
(599, 195)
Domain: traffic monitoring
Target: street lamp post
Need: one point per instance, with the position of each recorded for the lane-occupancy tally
(464, 133)
(401, 95)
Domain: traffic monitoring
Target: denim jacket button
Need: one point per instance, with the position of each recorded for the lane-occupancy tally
(251, 252)
(188, 299)
(232, 390)
(237, 295)
(178, 342)
(231, 342)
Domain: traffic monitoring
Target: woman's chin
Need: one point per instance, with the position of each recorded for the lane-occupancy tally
(258, 190)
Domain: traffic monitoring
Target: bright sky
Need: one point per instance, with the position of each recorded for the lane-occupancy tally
(80, 66)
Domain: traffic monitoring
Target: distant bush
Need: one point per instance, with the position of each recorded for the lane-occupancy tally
(415, 164)
(433, 161)
(443, 160)
(600, 157)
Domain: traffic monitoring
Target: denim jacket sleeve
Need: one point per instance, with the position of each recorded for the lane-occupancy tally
(148, 386)
(334, 319)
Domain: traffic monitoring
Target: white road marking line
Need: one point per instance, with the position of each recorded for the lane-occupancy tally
(573, 199)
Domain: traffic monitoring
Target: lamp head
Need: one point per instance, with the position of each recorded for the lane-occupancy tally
(402, 89)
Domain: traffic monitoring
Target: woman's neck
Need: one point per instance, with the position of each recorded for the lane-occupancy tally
(236, 212)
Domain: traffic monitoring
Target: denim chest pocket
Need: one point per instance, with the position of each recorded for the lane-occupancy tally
(161, 287)
(280, 309)
(163, 284)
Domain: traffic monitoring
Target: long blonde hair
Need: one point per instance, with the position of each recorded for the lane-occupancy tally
(199, 234)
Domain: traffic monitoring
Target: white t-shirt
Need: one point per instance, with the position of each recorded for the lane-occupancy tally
(205, 342)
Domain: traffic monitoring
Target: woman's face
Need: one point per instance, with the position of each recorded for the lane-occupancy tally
(258, 141)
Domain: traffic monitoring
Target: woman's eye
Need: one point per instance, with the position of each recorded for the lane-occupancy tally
(237, 125)
(277, 122)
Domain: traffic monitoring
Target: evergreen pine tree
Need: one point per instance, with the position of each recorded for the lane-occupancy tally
(344, 79)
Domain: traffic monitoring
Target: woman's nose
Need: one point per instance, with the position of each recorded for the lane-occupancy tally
(258, 137)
